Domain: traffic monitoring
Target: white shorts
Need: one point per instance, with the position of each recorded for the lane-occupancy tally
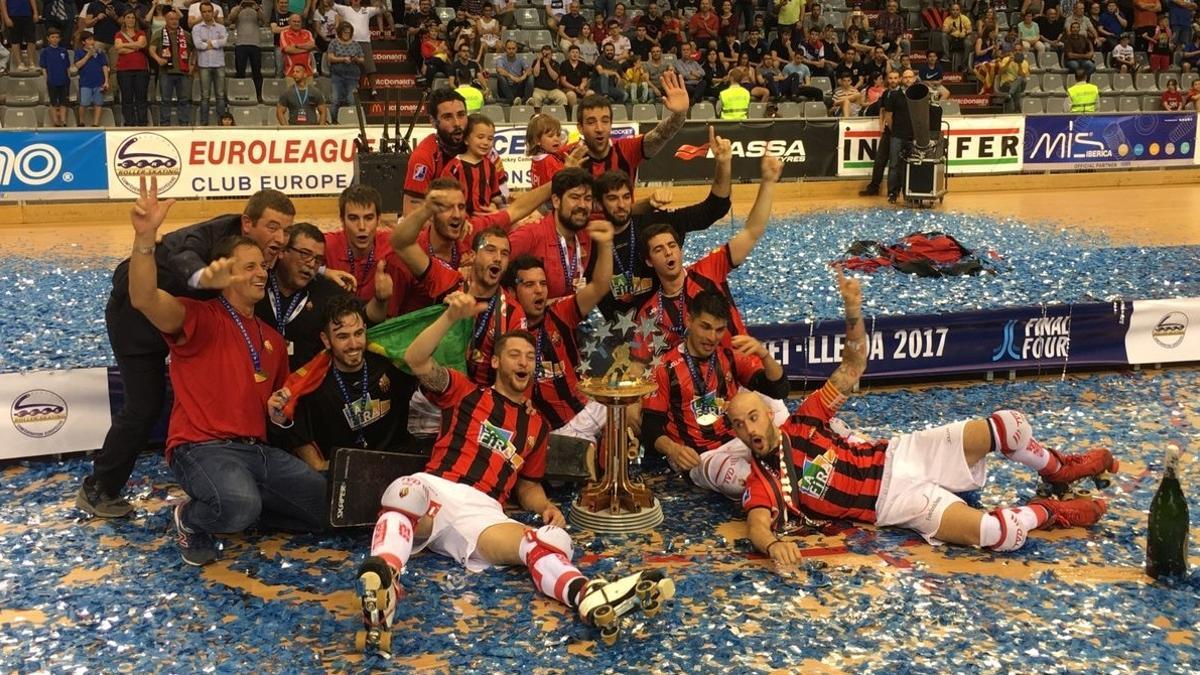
(724, 470)
(922, 472)
(460, 514)
(587, 424)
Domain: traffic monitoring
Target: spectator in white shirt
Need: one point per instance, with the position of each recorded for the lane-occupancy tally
(359, 17)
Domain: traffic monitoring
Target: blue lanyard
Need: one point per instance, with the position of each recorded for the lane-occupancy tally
(541, 333)
(569, 268)
(301, 99)
(694, 369)
(666, 319)
(259, 375)
(486, 317)
(632, 245)
(282, 319)
(354, 267)
(453, 254)
(337, 375)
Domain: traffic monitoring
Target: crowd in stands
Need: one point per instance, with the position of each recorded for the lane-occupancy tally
(833, 57)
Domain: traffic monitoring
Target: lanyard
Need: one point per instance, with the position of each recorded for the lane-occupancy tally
(486, 317)
(259, 375)
(632, 245)
(541, 334)
(666, 319)
(365, 400)
(301, 99)
(570, 267)
(370, 262)
(453, 254)
(290, 312)
(701, 384)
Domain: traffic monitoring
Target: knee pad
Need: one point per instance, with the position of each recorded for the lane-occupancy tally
(726, 473)
(1011, 430)
(552, 537)
(1002, 530)
(407, 495)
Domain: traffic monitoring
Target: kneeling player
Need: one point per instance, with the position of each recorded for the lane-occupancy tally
(489, 445)
(814, 466)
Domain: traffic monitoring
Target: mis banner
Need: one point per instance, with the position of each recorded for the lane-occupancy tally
(1073, 142)
(1020, 338)
(977, 144)
(806, 148)
(52, 163)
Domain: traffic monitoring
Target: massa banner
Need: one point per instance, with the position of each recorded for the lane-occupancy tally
(805, 146)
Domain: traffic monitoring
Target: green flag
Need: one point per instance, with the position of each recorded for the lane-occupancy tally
(392, 338)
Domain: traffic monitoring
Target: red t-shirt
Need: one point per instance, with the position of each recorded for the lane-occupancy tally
(839, 477)
(689, 387)
(543, 167)
(487, 441)
(625, 154)
(565, 261)
(212, 375)
(291, 38)
(132, 60)
(669, 315)
(426, 163)
(483, 182)
(704, 27)
(340, 256)
(555, 388)
(1172, 100)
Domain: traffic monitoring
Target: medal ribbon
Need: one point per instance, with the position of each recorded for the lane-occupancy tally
(289, 313)
(254, 358)
(337, 375)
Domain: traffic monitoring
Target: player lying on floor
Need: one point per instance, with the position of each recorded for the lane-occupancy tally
(814, 467)
(490, 447)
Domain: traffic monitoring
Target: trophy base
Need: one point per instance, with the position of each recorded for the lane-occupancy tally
(605, 522)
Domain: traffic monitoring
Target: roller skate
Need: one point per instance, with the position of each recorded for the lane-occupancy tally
(379, 591)
(603, 603)
(1096, 464)
(1074, 512)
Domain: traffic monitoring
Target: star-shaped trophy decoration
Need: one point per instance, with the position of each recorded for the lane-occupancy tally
(624, 323)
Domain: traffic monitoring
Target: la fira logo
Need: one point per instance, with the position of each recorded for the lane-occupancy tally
(38, 413)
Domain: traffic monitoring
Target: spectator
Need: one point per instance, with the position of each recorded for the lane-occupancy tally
(1193, 95)
(1038, 7)
(415, 21)
(435, 55)
(100, 17)
(1172, 98)
(1006, 43)
(671, 35)
(1182, 12)
(771, 77)
(819, 59)
(691, 72)
(195, 16)
(488, 28)
(814, 21)
(637, 81)
(784, 44)
(1161, 45)
(729, 49)
(1145, 21)
(1122, 56)
(608, 79)
(324, 31)
(716, 76)
(55, 62)
(296, 43)
(931, 75)
(176, 58)
(754, 47)
(21, 18)
(957, 28)
(92, 66)
(467, 71)
(934, 17)
(1012, 73)
(1052, 29)
(589, 51)
(1030, 34)
(798, 82)
(734, 102)
(1112, 25)
(1077, 51)
(705, 25)
(621, 16)
(554, 11)
(133, 71)
(246, 18)
(61, 14)
(620, 43)
(656, 65)
(280, 20)
(301, 104)
(1083, 94)
(227, 120)
(893, 26)
(209, 38)
(788, 14)
(751, 79)
(513, 77)
(652, 21)
(504, 12)
(1079, 15)
(728, 20)
(545, 79)
(359, 17)
(569, 26)
(878, 63)
(604, 8)
(461, 29)
(874, 94)
(846, 100)
(575, 77)
(641, 43)
(984, 65)
(1190, 59)
(849, 67)
(345, 68)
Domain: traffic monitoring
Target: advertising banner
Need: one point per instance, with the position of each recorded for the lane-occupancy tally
(55, 411)
(806, 148)
(1074, 142)
(63, 164)
(1164, 331)
(1021, 338)
(975, 144)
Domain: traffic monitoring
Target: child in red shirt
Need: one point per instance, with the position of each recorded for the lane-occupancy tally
(544, 143)
(1172, 98)
(480, 170)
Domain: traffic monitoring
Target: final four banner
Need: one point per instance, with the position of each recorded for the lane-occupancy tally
(807, 148)
(1021, 338)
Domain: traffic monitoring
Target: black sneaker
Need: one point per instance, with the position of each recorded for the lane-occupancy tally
(196, 548)
(90, 500)
(892, 197)
(869, 191)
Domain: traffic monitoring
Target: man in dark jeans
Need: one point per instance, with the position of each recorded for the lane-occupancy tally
(175, 55)
(883, 149)
(225, 364)
(896, 118)
(182, 258)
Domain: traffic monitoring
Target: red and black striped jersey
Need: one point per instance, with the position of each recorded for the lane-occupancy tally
(487, 441)
(426, 163)
(669, 315)
(503, 314)
(625, 154)
(483, 181)
(555, 388)
(543, 167)
(833, 476)
(690, 389)
(340, 256)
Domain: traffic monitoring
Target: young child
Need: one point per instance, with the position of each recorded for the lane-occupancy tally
(1172, 98)
(1193, 95)
(1122, 56)
(544, 143)
(1161, 46)
(480, 170)
(55, 62)
(637, 81)
(92, 66)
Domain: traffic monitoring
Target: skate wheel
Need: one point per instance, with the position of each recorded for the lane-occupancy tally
(666, 588)
(1102, 481)
(385, 642)
(610, 634)
(643, 590)
(651, 608)
(604, 616)
(360, 640)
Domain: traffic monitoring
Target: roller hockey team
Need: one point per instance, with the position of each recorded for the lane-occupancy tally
(264, 319)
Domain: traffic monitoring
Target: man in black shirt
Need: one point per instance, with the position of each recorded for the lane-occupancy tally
(896, 118)
(570, 26)
(466, 71)
(652, 21)
(297, 295)
(545, 80)
(785, 44)
(351, 399)
(641, 43)
(755, 47)
(884, 147)
(850, 68)
(575, 76)
(633, 279)
(1051, 27)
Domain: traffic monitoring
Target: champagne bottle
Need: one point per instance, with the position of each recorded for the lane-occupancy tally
(1167, 534)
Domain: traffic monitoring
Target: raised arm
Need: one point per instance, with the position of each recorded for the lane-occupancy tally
(601, 232)
(722, 151)
(756, 223)
(419, 355)
(854, 352)
(675, 99)
(160, 307)
(404, 236)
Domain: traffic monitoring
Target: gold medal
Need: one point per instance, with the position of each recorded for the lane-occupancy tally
(260, 376)
(706, 420)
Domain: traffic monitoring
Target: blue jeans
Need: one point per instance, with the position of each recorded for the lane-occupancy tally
(234, 485)
(1086, 65)
(212, 81)
(606, 85)
(509, 91)
(177, 89)
(605, 7)
(344, 89)
(1182, 35)
(895, 166)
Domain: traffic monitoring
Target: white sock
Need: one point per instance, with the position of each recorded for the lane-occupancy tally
(393, 538)
(1006, 529)
(1012, 435)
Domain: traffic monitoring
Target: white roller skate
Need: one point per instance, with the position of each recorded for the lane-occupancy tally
(603, 603)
